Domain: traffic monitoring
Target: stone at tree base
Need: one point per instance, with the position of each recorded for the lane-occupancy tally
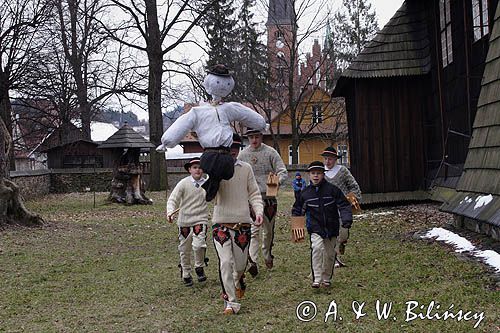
(12, 209)
(127, 186)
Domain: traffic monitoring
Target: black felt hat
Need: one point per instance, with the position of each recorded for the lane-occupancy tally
(237, 141)
(219, 70)
(330, 152)
(195, 160)
(316, 165)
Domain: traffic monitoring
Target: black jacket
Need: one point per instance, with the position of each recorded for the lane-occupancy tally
(321, 205)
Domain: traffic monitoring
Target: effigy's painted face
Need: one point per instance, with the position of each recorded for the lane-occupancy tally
(218, 86)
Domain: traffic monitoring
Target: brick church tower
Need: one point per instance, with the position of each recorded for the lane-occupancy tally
(280, 22)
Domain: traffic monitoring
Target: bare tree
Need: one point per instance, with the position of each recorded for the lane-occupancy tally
(48, 99)
(145, 32)
(20, 21)
(96, 70)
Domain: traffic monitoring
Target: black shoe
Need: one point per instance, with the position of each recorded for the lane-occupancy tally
(201, 274)
(188, 282)
(253, 270)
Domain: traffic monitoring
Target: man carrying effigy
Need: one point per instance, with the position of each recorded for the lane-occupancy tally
(212, 124)
(231, 231)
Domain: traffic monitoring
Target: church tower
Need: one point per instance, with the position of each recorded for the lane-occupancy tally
(280, 21)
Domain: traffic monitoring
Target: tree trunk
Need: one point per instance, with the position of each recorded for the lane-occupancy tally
(158, 164)
(155, 57)
(12, 209)
(6, 116)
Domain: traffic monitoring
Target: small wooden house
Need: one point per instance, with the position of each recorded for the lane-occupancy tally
(66, 148)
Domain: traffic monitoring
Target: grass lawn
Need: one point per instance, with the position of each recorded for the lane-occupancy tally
(114, 269)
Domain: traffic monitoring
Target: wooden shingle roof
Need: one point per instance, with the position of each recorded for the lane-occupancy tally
(401, 48)
(478, 189)
(126, 137)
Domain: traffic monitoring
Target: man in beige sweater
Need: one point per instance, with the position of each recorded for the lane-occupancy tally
(231, 229)
(188, 198)
(264, 160)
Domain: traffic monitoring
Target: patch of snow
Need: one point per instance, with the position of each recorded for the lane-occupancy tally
(483, 200)
(492, 258)
(461, 244)
(466, 199)
(100, 132)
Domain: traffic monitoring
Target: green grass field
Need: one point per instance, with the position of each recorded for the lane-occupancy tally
(114, 269)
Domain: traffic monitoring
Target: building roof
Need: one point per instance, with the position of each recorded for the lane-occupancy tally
(401, 48)
(126, 137)
(478, 190)
(61, 136)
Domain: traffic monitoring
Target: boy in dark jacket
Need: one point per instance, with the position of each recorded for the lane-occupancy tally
(321, 203)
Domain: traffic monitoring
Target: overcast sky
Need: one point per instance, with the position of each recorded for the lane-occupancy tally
(384, 9)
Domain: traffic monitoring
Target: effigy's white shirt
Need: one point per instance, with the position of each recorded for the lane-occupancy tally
(212, 124)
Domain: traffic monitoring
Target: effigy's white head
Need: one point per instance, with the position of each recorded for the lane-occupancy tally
(218, 82)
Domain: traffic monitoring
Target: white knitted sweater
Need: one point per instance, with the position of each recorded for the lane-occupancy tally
(231, 202)
(191, 201)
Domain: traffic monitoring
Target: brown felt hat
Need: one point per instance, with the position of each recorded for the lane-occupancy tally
(330, 152)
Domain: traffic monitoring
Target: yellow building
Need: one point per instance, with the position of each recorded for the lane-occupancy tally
(322, 123)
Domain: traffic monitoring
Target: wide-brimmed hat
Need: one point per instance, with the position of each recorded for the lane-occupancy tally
(252, 131)
(237, 142)
(195, 160)
(330, 152)
(316, 165)
(219, 70)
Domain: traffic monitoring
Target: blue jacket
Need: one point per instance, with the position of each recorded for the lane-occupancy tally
(298, 184)
(321, 205)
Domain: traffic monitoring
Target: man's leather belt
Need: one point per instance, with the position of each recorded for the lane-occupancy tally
(235, 226)
(222, 150)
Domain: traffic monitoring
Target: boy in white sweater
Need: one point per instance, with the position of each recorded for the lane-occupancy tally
(189, 198)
